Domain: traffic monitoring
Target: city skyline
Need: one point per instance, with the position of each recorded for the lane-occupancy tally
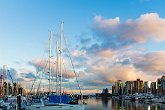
(109, 40)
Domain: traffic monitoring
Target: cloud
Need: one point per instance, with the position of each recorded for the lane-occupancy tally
(24, 75)
(78, 53)
(151, 63)
(104, 73)
(44, 66)
(115, 34)
(41, 65)
(14, 74)
(114, 55)
(9, 72)
(29, 75)
(108, 71)
(124, 64)
(85, 40)
(106, 53)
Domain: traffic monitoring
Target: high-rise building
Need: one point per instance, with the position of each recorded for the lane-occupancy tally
(129, 87)
(113, 90)
(159, 92)
(147, 87)
(138, 86)
(121, 87)
(154, 88)
(118, 88)
(163, 85)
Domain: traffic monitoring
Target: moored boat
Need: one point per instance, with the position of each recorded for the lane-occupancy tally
(57, 101)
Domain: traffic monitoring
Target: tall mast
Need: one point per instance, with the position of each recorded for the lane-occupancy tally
(57, 71)
(61, 36)
(5, 79)
(50, 56)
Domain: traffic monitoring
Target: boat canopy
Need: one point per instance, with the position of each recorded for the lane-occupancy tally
(56, 99)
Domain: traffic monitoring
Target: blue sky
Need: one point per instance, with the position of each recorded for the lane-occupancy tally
(25, 27)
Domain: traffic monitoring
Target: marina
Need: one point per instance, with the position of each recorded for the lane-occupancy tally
(82, 55)
(57, 100)
(94, 103)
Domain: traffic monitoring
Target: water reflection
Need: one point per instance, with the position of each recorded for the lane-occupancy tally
(114, 104)
(105, 102)
(127, 105)
(98, 103)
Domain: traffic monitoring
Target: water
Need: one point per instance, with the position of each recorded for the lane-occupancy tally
(113, 104)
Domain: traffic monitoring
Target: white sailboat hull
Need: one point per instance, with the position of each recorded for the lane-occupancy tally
(58, 107)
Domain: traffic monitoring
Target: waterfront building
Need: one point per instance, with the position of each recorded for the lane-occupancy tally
(113, 90)
(154, 88)
(138, 86)
(105, 91)
(129, 87)
(121, 87)
(124, 89)
(147, 87)
(163, 85)
(118, 88)
(159, 86)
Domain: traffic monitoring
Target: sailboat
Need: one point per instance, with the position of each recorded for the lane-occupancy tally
(59, 101)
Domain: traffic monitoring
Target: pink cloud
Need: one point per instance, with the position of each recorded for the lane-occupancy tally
(115, 34)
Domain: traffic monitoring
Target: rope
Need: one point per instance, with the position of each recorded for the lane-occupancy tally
(74, 70)
(35, 78)
(42, 77)
(33, 83)
(68, 78)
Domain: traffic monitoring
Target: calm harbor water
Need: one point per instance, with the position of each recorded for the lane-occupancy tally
(113, 104)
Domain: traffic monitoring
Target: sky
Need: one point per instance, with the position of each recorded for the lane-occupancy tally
(108, 40)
